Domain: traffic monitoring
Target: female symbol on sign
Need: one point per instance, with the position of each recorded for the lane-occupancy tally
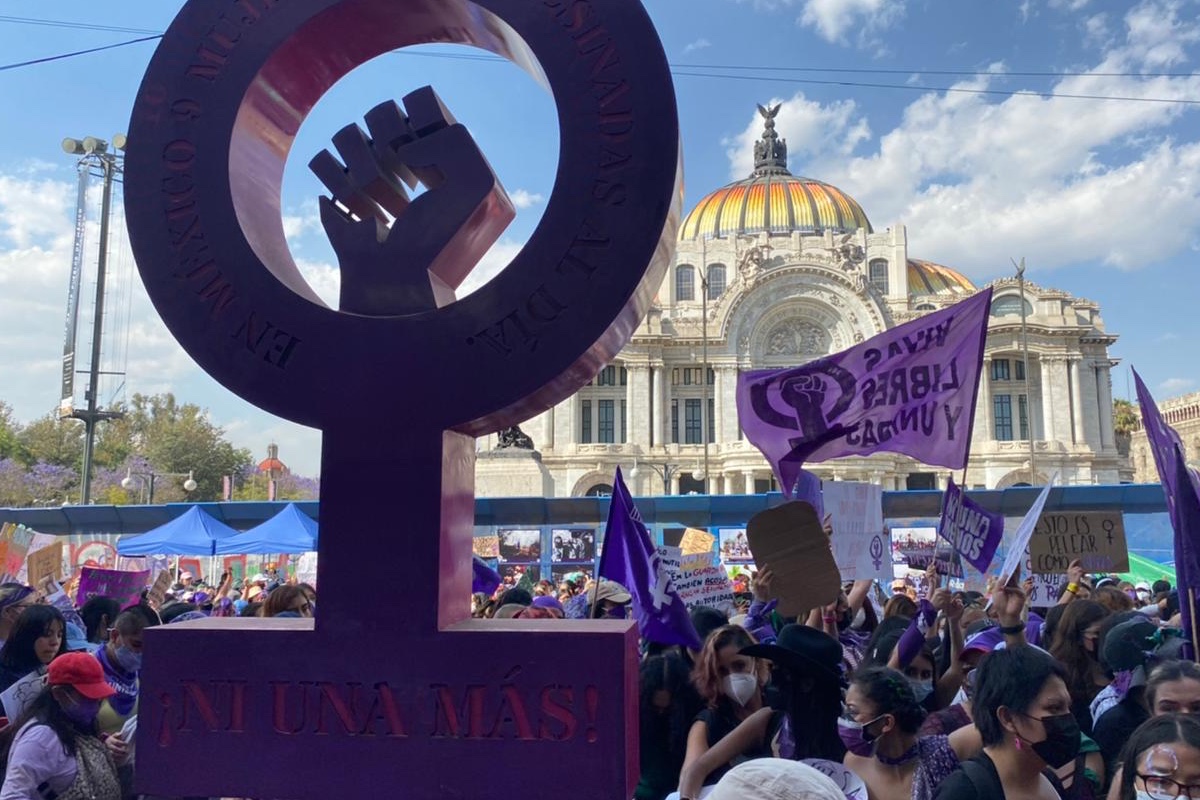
(402, 376)
(877, 550)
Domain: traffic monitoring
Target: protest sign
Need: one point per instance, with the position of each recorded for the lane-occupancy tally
(791, 541)
(1020, 545)
(707, 586)
(671, 560)
(124, 587)
(17, 697)
(16, 547)
(696, 541)
(45, 563)
(861, 545)
(920, 547)
(486, 546)
(1097, 539)
(973, 531)
(697, 560)
(158, 591)
(909, 390)
(734, 546)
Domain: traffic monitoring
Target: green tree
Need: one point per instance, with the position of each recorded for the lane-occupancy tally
(10, 440)
(1126, 418)
(51, 440)
(174, 437)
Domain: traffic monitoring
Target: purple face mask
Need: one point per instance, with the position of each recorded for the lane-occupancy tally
(82, 711)
(856, 737)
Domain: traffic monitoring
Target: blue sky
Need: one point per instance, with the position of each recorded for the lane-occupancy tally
(1101, 197)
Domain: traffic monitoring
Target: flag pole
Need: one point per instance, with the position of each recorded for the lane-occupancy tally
(1191, 596)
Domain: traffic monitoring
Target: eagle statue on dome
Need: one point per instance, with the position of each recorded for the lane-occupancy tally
(769, 114)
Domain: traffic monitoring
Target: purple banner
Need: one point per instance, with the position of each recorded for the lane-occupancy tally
(909, 390)
(632, 560)
(124, 587)
(973, 531)
(1182, 487)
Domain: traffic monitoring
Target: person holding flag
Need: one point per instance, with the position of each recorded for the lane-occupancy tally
(631, 560)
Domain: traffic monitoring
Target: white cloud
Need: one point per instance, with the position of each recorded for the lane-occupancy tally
(978, 180)
(1096, 32)
(523, 198)
(1069, 5)
(1176, 385)
(811, 129)
(1167, 337)
(833, 19)
(699, 44)
(493, 261)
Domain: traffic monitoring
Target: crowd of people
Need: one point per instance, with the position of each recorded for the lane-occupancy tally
(923, 694)
(69, 677)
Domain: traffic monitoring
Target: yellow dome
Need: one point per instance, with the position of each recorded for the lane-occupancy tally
(926, 279)
(773, 199)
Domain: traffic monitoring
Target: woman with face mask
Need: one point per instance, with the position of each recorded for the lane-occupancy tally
(1161, 760)
(1022, 710)
(730, 684)
(880, 731)
(121, 660)
(53, 749)
(1076, 645)
(37, 638)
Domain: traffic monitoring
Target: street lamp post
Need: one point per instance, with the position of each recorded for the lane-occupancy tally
(1025, 356)
(94, 152)
(148, 480)
(666, 472)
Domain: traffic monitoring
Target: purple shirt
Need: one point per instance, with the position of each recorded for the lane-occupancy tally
(37, 757)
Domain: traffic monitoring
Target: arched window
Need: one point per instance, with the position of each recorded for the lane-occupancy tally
(685, 283)
(716, 281)
(927, 307)
(1009, 305)
(878, 274)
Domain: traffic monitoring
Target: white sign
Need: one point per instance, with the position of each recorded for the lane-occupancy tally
(862, 546)
(1019, 550)
(698, 582)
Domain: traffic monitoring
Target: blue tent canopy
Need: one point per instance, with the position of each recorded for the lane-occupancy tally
(289, 531)
(194, 533)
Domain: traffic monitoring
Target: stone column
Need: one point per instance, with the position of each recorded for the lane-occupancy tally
(728, 483)
(1108, 434)
(637, 405)
(985, 402)
(1077, 403)
(565, 422)
(657, 402)
(748, 477)
(547, 442)
(727, 418)
(1049, 428)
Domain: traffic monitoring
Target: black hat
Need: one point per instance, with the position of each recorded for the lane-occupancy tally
(802, 649)
(1129, 646)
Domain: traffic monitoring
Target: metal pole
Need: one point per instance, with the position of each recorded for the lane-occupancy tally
(152, 478)
(1028, 396)
(93, 412)
(704, 415)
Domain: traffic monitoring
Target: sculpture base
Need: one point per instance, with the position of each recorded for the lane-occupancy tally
(512, 473)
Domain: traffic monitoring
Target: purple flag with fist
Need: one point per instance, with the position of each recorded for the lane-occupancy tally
(909, 390)
(631, 559)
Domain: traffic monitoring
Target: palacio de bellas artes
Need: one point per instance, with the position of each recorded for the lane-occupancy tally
(776, 270)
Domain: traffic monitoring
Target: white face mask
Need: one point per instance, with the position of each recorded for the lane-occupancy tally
(739, 687)
(921, 689)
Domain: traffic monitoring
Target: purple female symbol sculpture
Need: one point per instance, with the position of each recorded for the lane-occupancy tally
(396, 692)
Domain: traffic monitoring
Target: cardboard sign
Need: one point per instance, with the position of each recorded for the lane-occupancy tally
(124, 587)
(861, 546)
(45, 563)
(1095, 538)
(486, 546)
(158, 592)
(791, 541)
(696, 541)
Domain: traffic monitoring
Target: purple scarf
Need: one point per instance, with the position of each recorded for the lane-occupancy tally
(124, 683)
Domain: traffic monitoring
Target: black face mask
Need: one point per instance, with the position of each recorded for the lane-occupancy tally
(845, 621)
(1062, 739)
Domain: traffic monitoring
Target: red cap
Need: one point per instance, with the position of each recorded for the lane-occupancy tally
(83, 673)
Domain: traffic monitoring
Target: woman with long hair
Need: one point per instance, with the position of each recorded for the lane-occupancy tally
(1161, 760)
(667, 706)
(53, 749)
(730, 685)
(1022, 710)
(38, 637)
(1076, 645)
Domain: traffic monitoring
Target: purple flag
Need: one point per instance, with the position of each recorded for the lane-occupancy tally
(974, 531)
(1182, 487)
(808, 489)
(631, 559)
(483, 578)
(909, 390)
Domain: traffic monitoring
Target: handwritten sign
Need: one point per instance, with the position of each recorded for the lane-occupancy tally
(696, 541)
(486, 546)
(791, 540)
(861, 546)
(124, 587)
(1095, 538)
(16, 542)
(45, 563)
(696, 579)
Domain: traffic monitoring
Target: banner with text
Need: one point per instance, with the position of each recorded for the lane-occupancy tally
(909, 390)
(972, 530)
(124, 587)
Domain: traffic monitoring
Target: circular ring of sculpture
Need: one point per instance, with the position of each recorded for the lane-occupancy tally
(210, 135)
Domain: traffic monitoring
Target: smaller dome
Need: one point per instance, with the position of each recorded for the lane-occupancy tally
(926, 279)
